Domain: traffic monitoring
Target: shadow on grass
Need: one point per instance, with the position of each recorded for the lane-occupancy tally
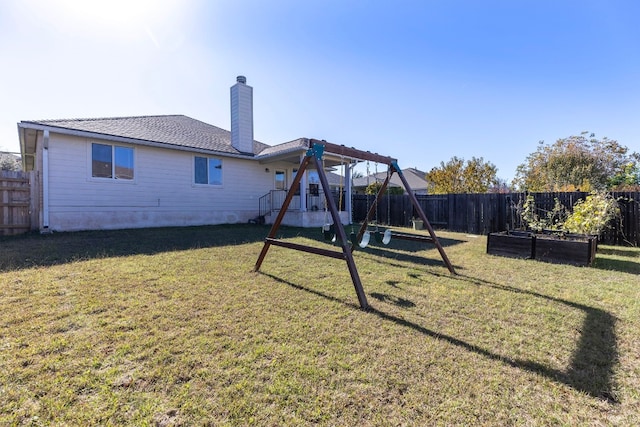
(400, 302)
(623, 266)
(627, 261)
(411, 246)
(36, 250)
(402, 251)
(592, 364)
(619, 251)
(388, 256)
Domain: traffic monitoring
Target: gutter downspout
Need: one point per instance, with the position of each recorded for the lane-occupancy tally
(45, 182)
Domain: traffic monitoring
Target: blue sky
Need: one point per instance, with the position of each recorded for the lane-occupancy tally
(421, 81)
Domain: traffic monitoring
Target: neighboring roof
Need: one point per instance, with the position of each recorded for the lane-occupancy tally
(415, 178)
(176, 130)
(335, 179)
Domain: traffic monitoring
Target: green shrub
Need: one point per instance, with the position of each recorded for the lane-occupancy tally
(592, 215)
(552, 220)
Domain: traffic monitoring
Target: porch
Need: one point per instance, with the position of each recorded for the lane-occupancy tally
(305, 210)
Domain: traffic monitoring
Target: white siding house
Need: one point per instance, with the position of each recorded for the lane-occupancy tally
(154, 171)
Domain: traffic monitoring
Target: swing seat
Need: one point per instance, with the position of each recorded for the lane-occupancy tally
(386, 238)
(329, 232)
(383, 238)
(364, 242)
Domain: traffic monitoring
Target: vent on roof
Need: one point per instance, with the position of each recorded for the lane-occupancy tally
(241, 79)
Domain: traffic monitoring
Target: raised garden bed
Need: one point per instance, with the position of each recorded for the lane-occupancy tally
(512, 244)
(573, 249)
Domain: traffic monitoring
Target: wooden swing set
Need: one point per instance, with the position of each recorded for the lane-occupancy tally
(314, 156)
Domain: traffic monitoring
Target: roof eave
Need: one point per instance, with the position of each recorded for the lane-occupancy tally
(125, 140)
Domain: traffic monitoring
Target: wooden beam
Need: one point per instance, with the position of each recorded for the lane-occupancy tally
(305, 248)
(14, 226)
(351, 152)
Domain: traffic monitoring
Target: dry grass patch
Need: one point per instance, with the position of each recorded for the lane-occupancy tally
(172, 327)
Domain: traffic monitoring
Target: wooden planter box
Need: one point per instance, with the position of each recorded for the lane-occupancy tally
(512, 244)
(569, 249)
(573, 249)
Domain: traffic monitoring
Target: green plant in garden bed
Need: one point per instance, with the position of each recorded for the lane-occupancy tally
(590, 216)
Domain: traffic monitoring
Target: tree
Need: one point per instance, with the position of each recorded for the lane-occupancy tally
(9, 162)
(575, 163)
(456, 176)
(374, 188)
(627, 180)
(500, 186)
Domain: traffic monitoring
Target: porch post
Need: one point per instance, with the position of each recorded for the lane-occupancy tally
(303, 188)
(347, 185)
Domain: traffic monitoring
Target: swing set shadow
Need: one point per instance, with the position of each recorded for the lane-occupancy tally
(314, 157)
(590, 368)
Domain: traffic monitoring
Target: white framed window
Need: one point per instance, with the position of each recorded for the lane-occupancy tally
(111, 161)
(207, 170)
(281, 180)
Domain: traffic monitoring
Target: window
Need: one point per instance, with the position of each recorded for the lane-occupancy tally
(111, 161)
(281, 180)
(314, 183)
(208, 170)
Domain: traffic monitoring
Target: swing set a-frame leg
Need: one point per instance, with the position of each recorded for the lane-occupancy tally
(423, 217)
(315, 154)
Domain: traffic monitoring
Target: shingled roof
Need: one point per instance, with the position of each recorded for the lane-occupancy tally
(176, 130)
(415, 178)
(292, 146)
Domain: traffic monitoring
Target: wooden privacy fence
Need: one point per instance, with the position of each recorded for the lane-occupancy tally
(488, 213)
(18, 196)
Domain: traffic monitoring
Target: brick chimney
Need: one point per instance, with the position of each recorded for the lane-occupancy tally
(242, 116)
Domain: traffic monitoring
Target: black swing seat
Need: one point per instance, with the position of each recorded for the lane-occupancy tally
(329, 232)
(383, 237)
(364, 241)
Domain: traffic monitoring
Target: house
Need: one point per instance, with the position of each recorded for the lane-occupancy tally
(171, 170)
(415, 178)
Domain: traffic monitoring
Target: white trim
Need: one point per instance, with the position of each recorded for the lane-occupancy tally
(45, 179)
(113, 179)
(193, 173)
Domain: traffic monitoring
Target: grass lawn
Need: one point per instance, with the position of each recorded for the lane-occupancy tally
(172, 327)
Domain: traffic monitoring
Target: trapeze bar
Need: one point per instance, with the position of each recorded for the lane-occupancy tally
(304, 248)
(353, 153)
